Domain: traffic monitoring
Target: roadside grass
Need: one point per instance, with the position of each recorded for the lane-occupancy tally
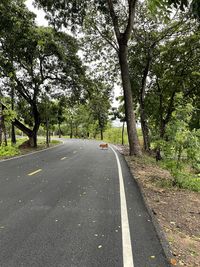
(113, 135)
(14, 150)
(186, 178)
(9, 151)
(183, 175)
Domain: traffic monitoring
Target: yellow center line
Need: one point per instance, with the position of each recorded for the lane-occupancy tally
(63, 158)
(32, 173)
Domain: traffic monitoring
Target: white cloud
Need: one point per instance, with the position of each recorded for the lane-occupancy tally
(40, 19)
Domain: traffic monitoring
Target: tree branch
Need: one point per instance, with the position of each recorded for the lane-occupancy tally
(20, 125)
(132, 6)
(113, 44)
(22, 90)
(114, 19)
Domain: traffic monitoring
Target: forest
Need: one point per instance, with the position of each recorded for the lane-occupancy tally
(60, 79)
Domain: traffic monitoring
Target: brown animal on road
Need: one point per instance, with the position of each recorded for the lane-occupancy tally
(103, 146)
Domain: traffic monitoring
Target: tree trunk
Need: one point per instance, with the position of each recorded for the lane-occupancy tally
(71, 129)
(47, 132)
(3, 127)
(101, 134)
(128, 100)
(13, 136)
(32, 134)
(59, 130)
(123, 132)
(36, 116)
(4, 131)
(143, 117)
(145, 130)
(76, 133)
(1, 116)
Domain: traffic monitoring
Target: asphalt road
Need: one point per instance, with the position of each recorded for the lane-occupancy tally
(65, 207)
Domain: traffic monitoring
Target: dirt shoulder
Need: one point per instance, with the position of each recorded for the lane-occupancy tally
(177, 211)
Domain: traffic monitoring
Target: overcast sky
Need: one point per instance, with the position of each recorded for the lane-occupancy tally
(40, 20)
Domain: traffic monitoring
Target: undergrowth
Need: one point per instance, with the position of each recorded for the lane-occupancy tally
(7, 151)
(14, 150)
(182, 176)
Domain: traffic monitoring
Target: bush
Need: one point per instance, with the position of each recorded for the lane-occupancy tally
(7, 151)
(188, 181)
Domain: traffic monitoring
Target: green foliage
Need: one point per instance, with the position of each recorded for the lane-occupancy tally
(13, 150)
(113, 135)
(179, 138)
(181, 147)
(164, 7)
(188, 181)
(55, 142)
(9, 151)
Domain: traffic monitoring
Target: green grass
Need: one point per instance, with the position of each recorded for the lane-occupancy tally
(10, 151)
(114, 136)
(183, 177)
(188, 181)
(55, 142)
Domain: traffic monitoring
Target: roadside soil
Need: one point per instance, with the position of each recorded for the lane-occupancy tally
(177, 211)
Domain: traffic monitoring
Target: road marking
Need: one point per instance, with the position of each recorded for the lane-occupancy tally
(63, 158)
(126, 238)
(32, 173)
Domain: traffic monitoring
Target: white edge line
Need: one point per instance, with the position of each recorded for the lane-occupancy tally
(35, 152)
(126, 238)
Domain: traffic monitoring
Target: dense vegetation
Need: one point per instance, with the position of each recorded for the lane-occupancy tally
(46, 87)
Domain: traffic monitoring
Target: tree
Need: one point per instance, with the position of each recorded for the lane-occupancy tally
(165, 6)
(145, 41)
(182, 4)
(174, 71)
(42, 60)
(121, 19)
(7, 115)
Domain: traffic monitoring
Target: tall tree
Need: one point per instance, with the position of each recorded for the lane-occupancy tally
(174, 72)
(37, 59)
(143, 52)
(120, 17)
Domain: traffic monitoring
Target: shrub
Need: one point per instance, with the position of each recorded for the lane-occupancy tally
(7, 151)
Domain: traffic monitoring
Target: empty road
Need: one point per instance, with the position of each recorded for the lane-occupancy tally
(74, 205)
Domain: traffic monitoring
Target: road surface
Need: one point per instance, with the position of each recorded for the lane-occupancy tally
(74, 205)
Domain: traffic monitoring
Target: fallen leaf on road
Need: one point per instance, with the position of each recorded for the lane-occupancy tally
(173, 261)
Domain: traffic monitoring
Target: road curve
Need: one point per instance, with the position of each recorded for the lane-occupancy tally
(64, 207)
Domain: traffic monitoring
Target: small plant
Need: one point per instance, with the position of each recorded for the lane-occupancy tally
(181, 148)
(7, 151)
